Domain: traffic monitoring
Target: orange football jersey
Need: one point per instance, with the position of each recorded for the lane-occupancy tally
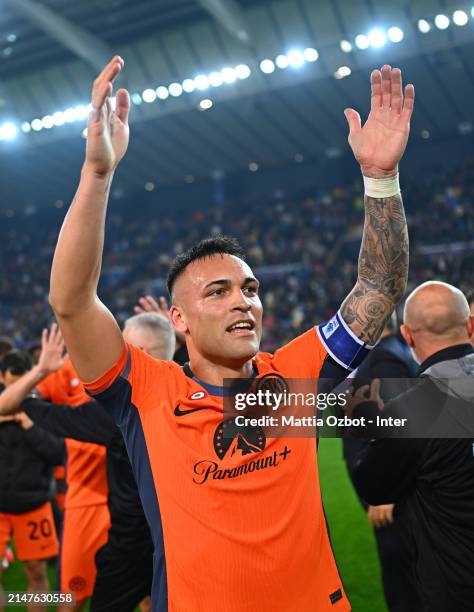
(238, 526)
(85, 466)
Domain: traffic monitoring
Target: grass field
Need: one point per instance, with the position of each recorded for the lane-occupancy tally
(351, 535)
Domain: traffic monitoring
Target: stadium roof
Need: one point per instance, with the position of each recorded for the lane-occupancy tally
(285, 110)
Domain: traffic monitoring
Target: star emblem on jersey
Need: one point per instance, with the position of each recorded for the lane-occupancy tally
(230, 440)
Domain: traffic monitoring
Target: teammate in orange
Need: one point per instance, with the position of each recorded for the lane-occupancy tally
(86, 517)
(242, 531)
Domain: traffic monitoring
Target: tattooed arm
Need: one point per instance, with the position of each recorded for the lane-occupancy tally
(383, 261)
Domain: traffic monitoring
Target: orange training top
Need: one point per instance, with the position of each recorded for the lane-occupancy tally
(85, 466)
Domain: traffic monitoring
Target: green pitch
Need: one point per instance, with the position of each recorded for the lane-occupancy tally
(351, 535)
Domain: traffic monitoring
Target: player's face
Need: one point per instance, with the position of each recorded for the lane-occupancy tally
(219, 310)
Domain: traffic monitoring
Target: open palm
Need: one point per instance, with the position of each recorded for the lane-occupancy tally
(107, 131)
(379, 145)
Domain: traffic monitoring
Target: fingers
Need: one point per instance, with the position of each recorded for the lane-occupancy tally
(397, 94)
(409, 102)
(353, 119)
(375, 390)
(44, 339)
(361, 392)
(148, 304)
(386, 86)
(103, 84)
(122, 105)
(376, 89)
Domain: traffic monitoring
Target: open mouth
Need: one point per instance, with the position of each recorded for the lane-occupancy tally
(241, 328)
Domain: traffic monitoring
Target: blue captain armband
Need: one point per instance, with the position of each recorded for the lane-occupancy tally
(342, 344)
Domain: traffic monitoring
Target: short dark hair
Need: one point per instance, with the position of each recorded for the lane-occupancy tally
(16, 362)
(6, 345)
(215, 245)
(470, 296)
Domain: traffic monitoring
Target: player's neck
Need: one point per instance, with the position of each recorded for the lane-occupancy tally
(215, 374)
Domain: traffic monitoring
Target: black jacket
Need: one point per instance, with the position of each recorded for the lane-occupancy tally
(432, 478)
(129, 531)
(27, 459)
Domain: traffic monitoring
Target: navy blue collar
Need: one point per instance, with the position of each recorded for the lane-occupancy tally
(241, 385)
(452, 352)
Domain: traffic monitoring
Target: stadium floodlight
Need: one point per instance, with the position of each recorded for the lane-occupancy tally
(441, 21)
(201, 82)
(377, 38)
(175, 90)
(310, 54)
(58, 118)
(424, 26)
(188, 85)
(37, 125)
(282, 61)
(362, 41)
(228, 75)
(149, 95)
(8, 131)
(205, 104)
(346, 46)
(162, 92)
(460, 18)
(242, 71)
(215, 79)
(295, 58)
(26, 127)
(81, 112)
(395, 34)
(136, 98)
(267, 66)
(47, 122)
(343, 71)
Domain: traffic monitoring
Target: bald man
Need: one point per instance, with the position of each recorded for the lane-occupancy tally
(431, 478)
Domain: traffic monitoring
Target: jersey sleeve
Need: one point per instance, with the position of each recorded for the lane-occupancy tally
(45, 388)
(130, 382)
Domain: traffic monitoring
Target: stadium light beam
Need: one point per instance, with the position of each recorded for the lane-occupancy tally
(442, 22)
(377, 38)
(362, 41)
(267, 66)
(310, 54)
(295, 58)
(201, 82)
(460, 18)
(215, 79)
(424, 26)
(242, 71)
(149, 95)
(395, 34)
(175, 90)
(8, 131)
(282, 61)
(346, 46)
(162, 92)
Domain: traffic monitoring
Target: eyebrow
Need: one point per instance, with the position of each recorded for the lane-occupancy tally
(224, 282)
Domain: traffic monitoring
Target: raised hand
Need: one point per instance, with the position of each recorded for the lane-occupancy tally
(379, 145)
(107, 130)
(52, 350)
(148, 304)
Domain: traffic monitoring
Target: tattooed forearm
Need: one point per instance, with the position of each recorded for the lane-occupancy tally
(383, 268)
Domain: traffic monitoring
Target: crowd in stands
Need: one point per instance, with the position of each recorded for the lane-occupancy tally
(304, 247)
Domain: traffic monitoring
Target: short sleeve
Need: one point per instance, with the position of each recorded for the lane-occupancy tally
(130, 382)
(45, 389)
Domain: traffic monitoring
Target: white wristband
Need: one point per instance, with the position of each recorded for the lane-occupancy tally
(382, 188)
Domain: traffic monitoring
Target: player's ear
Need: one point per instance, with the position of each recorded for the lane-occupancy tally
(178, 320)
(405, 331)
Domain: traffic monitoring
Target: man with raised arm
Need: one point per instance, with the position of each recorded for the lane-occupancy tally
(237, 524)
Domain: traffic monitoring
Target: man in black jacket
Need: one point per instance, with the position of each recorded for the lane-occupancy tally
(389, 361)
(430, 471)
(27, 457)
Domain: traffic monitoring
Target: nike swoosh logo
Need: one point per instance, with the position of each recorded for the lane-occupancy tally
(178, 412)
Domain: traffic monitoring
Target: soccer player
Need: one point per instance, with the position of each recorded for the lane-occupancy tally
(124, 564)
(27, 457)
(241, 530)
(86, 518)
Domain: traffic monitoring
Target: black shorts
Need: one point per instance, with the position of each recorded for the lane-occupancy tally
(123, 578)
